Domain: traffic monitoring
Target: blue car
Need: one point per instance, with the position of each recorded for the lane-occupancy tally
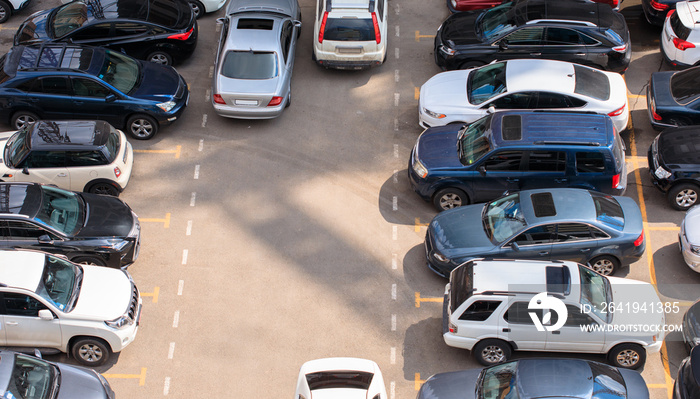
(59, 81)
(583, 226)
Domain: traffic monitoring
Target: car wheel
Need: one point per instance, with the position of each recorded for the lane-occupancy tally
(492, 351)
(91, 352)
(104, 188)
(160, 57)
(627, 356)
(197, 8)
(470, 64)
(23, 118)
(142, 127)
(683, 196)
(449, 198)
(89, 260)
(5, 11)
(604, 264)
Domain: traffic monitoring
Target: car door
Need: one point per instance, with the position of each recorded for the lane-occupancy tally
(85, 166)
(478, 319)
(533, 243)
(498, 173)
(134, 38)
(24, 234)
(47, 167)
(51, 97)
(544, 169)
(564, 44)
(523, 43)
(93, 100)
(574, 242)
(517, 326)
(22, 324)
(580, 333)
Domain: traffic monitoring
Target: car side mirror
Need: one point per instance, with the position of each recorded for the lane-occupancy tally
(220, 21)
(503, 45)
(491, 109)
(37, 352)
(482, 170)
(514, 246)
(25, 170)
(45, 314)
(297, 24)
(44, 239)
(110, 98)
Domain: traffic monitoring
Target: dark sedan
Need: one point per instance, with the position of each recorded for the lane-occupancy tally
(673, 98)
(161, 31)
(468, 5)
(577, 31)
(583, 226)
(86, 228)
(691, 326)
(674, 165)
(687, 385)
(537, 378)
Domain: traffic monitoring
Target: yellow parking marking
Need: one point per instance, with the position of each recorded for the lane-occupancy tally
(656, 386)
(418, 225)
(630, 95)
(141, 377)
(165, 221)
(417, 381)
(153, 294)
(419, 36)
(176, 151)
(430, 299)
(665, 228)
(416, 93)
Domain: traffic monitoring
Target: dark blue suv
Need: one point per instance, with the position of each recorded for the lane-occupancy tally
(59, 81)
(456, 165)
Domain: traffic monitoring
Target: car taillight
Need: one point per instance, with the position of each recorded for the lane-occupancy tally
(182, 36)
(618, 111)
(659, 6)
(670, 13)
(276, 100)
(218, 99)
(453, 328)
(620, 49)
(614, 3)
(377, 33)
(682, 44)
(616, 181)
(639, 240)
(117, 171)
(323, 27)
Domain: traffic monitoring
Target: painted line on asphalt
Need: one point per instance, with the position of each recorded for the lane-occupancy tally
(417, 382)
(396, 176)
(141, 377)
(180, 287)
(395, 203)
(207, 96)
(416, 93)
(201, 145)
(394, 233)
(393, 291)
(664, 228)
(193, 198)
(392, 355)
(204, 120)
(176, 318)
(419, 36)
(420, 299)
(397, 31)
(393, 322)
(171, 350)
(394, 261)
(397, 96)
(418, 225)
(396, 53)
(154, 294)
(396, 75)
(166, 386)
(177, 151)
(196, 172)
(165, 220)
(188, 231)
(184, 256)
(392, 390)
(396, 150)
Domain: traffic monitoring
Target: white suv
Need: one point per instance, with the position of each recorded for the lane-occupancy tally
(493, 307)
(350, 34)
(55, 305)
(680, 37)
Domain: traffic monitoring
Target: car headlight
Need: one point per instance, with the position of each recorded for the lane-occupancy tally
(440, 257)
(119, 322)
(420, 169)
(166, 106)
(433, 114)
(446, 50)
(695, 249)
(662, 173)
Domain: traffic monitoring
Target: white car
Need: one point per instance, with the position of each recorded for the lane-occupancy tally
(200, 7)
(90, 156)
(463, 96)
(689, 238)
(680, 37)
(491, 308)
(340, 377)
(350, 34)
(10, 7)
(55, 305)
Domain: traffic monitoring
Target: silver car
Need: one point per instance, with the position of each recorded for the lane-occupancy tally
(255, 58)
(689, 238)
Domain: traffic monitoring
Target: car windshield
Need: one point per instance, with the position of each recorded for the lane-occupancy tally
(61, 210)
(494, 22)
(608, 210)
(486, 82)
(120, 71)
(250, 65)
(60, 283)
(473, 142)
(16, 149)
(502, 218)
(32, 378)
(595, 292)
(685, 85)
(69, 18)
(499, 382)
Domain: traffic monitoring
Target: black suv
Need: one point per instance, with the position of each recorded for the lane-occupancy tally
(161, 31)
(577, 31)
(674, 165)
(86, 228)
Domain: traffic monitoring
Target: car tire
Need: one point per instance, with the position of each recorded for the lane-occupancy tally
(142, 127)
(604, 264)
(5, 11)
(91, 352)
(492, 351)
(627, 356)
(20, 119)
(683, 196)
(197, 8)
(89, 260)
(104, 188)
(160, 57)
(449, 198)
(470, 64)
(289, 100)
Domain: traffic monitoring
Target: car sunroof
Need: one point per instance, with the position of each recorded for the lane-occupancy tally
(511, 127)
(255, 23)
(543, 204)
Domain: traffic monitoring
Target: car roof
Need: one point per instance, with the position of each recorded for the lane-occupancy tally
(544, 378)
(285, 7)
(20, 198)
(21, 269)
(571, 10)
(165, 13)
(533, 75)
(254, 38)
(339, 363)
(689, 13)
(569, 205)
(511, 275)
(52, 56)
(64, 134)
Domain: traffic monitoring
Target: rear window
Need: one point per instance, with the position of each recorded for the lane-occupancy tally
(339, 379)
(679, 29)
(608, 210)
(112, 145)
(250, 65)
(685, 85)
(168, 13)
(461, 285)
(349, 29)
(591, 83)
(69, 18)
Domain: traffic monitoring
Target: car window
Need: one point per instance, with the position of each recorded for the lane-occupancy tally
(504, 161)
(112, 145)
(562, 37)
(681, 31)
(530, 36)
(31, 375)
(546, 161)
(69, 18)
(349, 29)
(165, 13)
(503, 218)
(568, 232)
(60, 282)
(495, 21)
(518, 313)
(575, 317)
(591, 83)
(85, 158)
(479, 310)
(537, 235)
(286, 39)
(590, 162)
(52, 85)
(94, 32)
(17, 148)
(83, 87)
(486, 82)
(514, 101)
(608, 210)
(587, 40)
(45, 159)
(595, 292)
(61, 210)
(21, 305)
(129, 29)
(552, 100)
(319, 4)
(473, 142)
(250, 65)
(499, 382)
(19, 230)
(685, 85)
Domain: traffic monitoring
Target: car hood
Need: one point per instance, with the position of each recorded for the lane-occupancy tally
(446, 92)
(77, 382)
(106, 216)
(452, 385)
(458, 29)
(679, 147)
(459, 232)
(661, 89)
(104, 295)
(34, 28)
(632, 292)
(158, 82)
(437, 148)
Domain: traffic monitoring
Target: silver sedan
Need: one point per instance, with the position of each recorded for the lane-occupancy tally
(689, 238)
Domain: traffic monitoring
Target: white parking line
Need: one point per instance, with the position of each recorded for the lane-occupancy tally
(396, 150)
(188, 232)
(394, 261)
(396, 176)
(392, 390)
(395, 232)
(196, 172)
(193, 198)
(176, 318)
(201, 145)
(396, 124)
(180, 287)
(211, 71)
(393, 322)
(393, 291)
(392, 356)
(207, 96)
(396, 76)
(395, 203)
(204, 120)
(184, 256)
(396, 99)
(397, 31)
(171, 350)
(166, 386)
(396, 53)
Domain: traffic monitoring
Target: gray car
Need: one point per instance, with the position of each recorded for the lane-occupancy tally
(537, 378)
(689, 238)
(255, 58)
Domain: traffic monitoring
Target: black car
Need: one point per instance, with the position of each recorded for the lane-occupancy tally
(673, 98)
(577, 31)
(86, 228)
(674, 165)
(691, 326)
(61, 81)
(687, 385)
(655, 11)
(161, 31)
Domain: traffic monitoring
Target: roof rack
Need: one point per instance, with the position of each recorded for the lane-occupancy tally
(561, 21)
(586, 143)
(514, 293)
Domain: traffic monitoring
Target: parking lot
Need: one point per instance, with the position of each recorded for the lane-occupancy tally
(269, 243)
